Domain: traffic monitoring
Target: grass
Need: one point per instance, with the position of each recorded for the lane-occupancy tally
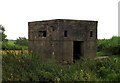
(27, 67)
(10, 45)
(11, 42)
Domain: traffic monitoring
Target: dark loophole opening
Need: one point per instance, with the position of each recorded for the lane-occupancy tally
(42, 33)
(65, 34)
(91, 33)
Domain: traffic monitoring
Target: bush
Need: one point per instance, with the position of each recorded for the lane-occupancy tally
(109, 46)
(7, 46)
(30, 68)
(22, 41)
(27, 67)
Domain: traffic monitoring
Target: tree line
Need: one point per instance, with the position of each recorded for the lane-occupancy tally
(19, 43)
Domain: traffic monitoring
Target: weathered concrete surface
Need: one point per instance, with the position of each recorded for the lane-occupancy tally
(56, 45)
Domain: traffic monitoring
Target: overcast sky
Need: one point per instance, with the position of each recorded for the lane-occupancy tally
(15, 14)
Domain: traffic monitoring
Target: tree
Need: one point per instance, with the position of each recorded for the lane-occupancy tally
(22, 41)
(2, 34)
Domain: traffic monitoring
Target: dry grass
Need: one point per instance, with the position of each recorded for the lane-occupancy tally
(16, 52)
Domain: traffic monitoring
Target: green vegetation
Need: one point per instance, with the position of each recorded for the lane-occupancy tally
(2, 34)
(20, 44)
(31, 68)
(12, 45)
(21, 41)
(109, 46)
(28, 67)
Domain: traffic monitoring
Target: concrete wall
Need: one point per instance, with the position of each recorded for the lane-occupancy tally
(55, 44)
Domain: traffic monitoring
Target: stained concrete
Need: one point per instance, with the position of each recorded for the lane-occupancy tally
(56, 39)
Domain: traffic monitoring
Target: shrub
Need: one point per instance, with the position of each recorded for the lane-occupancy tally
(29, 68)
(109, 46)
(22, 41)
(6, 46)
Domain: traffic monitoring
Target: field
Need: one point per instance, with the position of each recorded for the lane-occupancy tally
(28, 67)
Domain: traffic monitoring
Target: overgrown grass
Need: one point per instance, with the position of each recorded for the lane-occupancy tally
(31, 68)
(28, 67)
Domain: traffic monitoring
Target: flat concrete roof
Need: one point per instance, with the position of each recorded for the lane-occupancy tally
(64, 20)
